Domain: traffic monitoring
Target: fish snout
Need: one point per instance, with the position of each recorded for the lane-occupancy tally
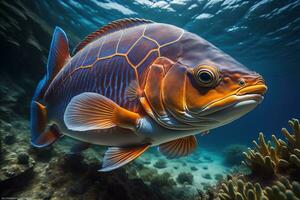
(255, 85)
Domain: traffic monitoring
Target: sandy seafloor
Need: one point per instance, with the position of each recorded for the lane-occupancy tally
(204, 165)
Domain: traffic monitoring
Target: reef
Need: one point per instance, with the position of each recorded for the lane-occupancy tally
(239, 189)
(277, 157)
(274, 170)
(185, 178)
(54, 173)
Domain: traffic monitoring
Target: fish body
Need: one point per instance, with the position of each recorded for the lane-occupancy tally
(134, 84)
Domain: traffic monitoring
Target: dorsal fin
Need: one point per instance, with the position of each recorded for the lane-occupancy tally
(109, 28)
(58, 53)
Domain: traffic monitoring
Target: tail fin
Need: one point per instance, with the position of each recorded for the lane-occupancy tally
(41, 135)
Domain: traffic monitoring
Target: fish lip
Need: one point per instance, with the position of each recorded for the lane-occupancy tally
(227, 102)
(253, 92)
(253, 89)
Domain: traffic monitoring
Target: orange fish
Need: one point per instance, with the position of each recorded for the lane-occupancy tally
(134, 84)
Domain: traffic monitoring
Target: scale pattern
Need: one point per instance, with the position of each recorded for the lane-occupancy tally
(108, 64)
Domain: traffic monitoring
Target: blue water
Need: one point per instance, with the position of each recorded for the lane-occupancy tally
(263, 35)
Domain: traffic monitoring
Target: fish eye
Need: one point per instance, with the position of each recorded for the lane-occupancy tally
(242, 82)
(206, 76)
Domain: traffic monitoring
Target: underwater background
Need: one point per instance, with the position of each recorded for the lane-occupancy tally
(263, 35)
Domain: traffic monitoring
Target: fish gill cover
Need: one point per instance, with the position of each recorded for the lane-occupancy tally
(262, 35)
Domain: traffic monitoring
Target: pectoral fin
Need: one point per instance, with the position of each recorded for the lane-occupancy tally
(178, 148)
(116, 157)
(92, 111)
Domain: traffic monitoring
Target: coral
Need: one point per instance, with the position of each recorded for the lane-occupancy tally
(268, 159)
(239, 189)
(274, 168)
(185, 178)
(283, 189)
(160, 164)
(163, 180)
(207, 195)
(233, 154)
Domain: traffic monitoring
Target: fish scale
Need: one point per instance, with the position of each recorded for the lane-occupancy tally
(109, 60)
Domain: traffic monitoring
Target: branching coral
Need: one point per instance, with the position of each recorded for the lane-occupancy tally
(283, 190)
(240, 189)
(274, 157)
(276, 161)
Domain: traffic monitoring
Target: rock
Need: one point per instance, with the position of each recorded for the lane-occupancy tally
(207, 176)
(185, 178)
(9, 139)
(160, 164)
(23, 158)
(163, 180)
(193, 168)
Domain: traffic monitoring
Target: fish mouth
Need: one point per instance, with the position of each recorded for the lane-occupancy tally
(238, 104)
(253, 89)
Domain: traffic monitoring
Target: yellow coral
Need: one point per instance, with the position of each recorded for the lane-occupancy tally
(239, 189)
(277, 156)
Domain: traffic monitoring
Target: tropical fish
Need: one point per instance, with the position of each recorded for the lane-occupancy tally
(134, 84)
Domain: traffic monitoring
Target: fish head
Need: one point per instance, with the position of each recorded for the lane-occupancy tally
(220, 95)
(211, 92)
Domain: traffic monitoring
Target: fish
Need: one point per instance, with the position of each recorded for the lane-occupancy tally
(134, 84)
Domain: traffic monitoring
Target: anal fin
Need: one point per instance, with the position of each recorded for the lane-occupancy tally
(47, 137)
(41, 134)
(116, 157)
(178, 148)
